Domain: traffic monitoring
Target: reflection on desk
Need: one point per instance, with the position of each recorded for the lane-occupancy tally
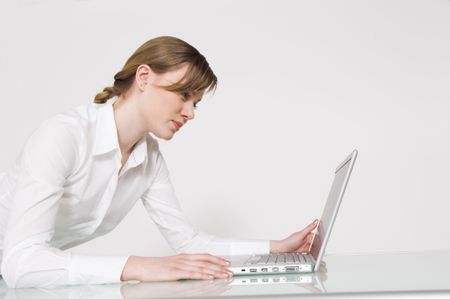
(245, 285)
(236, 286)
(344, 273)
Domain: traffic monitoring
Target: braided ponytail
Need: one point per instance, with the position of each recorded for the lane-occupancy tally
(122, 82)
(106, 94)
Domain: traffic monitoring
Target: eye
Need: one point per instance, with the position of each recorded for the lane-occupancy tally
(184, 95)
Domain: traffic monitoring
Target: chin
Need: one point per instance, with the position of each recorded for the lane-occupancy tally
(165, 136)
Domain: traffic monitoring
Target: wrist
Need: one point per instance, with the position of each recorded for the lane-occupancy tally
(276, 246)
(130, 270)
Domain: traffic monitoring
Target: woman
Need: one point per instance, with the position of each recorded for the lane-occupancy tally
(82, 171)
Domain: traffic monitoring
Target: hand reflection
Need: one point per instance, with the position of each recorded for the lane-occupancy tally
(181, 288)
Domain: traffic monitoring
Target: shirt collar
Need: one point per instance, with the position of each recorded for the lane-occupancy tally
(139, 153)
(106, 139)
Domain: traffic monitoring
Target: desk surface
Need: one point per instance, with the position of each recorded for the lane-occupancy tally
(342, 273)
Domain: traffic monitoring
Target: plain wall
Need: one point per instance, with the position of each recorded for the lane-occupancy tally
(301, 84)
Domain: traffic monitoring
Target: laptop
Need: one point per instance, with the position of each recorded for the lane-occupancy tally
(283, 263)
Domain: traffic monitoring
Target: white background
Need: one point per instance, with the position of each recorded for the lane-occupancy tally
(301, 84)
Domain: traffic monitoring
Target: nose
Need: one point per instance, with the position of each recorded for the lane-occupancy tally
(188, 110)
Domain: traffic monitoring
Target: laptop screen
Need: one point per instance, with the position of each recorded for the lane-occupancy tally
(341, 177)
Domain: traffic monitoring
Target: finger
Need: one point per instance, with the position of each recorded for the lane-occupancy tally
(307, 230)
(208, 271)
(218, 271)
(310, 236)
(184, 274)
(312, 242)
(207, 265)
(312, 225)
(303, 248)
(206, 257)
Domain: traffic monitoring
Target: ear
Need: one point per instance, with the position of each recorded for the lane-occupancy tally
(144, 76)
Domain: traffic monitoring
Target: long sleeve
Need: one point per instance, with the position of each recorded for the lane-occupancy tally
(29, 260)
(163, 207)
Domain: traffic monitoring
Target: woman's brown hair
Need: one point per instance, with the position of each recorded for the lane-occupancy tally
(163, 54)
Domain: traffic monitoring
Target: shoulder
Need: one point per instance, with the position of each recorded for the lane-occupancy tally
(53, 150)
(78, 123)
(66, 133)
(68, 126)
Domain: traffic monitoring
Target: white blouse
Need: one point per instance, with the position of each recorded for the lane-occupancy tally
(65, 189)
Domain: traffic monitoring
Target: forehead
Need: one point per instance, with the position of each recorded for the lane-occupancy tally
(172, 76)
(175, 76)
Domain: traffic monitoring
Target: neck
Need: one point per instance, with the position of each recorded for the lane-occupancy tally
(129, 127)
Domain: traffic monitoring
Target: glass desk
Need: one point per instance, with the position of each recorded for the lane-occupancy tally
(341, 273)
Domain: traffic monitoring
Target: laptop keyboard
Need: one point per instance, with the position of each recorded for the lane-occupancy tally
(278, 259)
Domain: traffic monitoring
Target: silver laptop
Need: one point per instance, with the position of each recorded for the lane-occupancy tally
(301, 262)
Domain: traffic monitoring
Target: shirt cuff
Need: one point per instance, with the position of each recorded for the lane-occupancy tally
(96, 269)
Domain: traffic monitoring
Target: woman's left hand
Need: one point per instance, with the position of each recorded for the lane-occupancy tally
(297, 242)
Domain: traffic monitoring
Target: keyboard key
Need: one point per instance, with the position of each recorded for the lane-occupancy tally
(308, 259)
(263, 260)
(289, 258)
(272, 259)
(281, 259)
(302, 258)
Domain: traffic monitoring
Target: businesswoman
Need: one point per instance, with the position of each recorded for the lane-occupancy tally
(82, 171)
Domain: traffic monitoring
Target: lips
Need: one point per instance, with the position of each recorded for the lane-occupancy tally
(178, 124)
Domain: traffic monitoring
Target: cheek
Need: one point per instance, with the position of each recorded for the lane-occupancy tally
(170, 104)
(162, 104)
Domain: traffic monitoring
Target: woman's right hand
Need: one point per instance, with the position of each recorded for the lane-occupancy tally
(181, 266)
